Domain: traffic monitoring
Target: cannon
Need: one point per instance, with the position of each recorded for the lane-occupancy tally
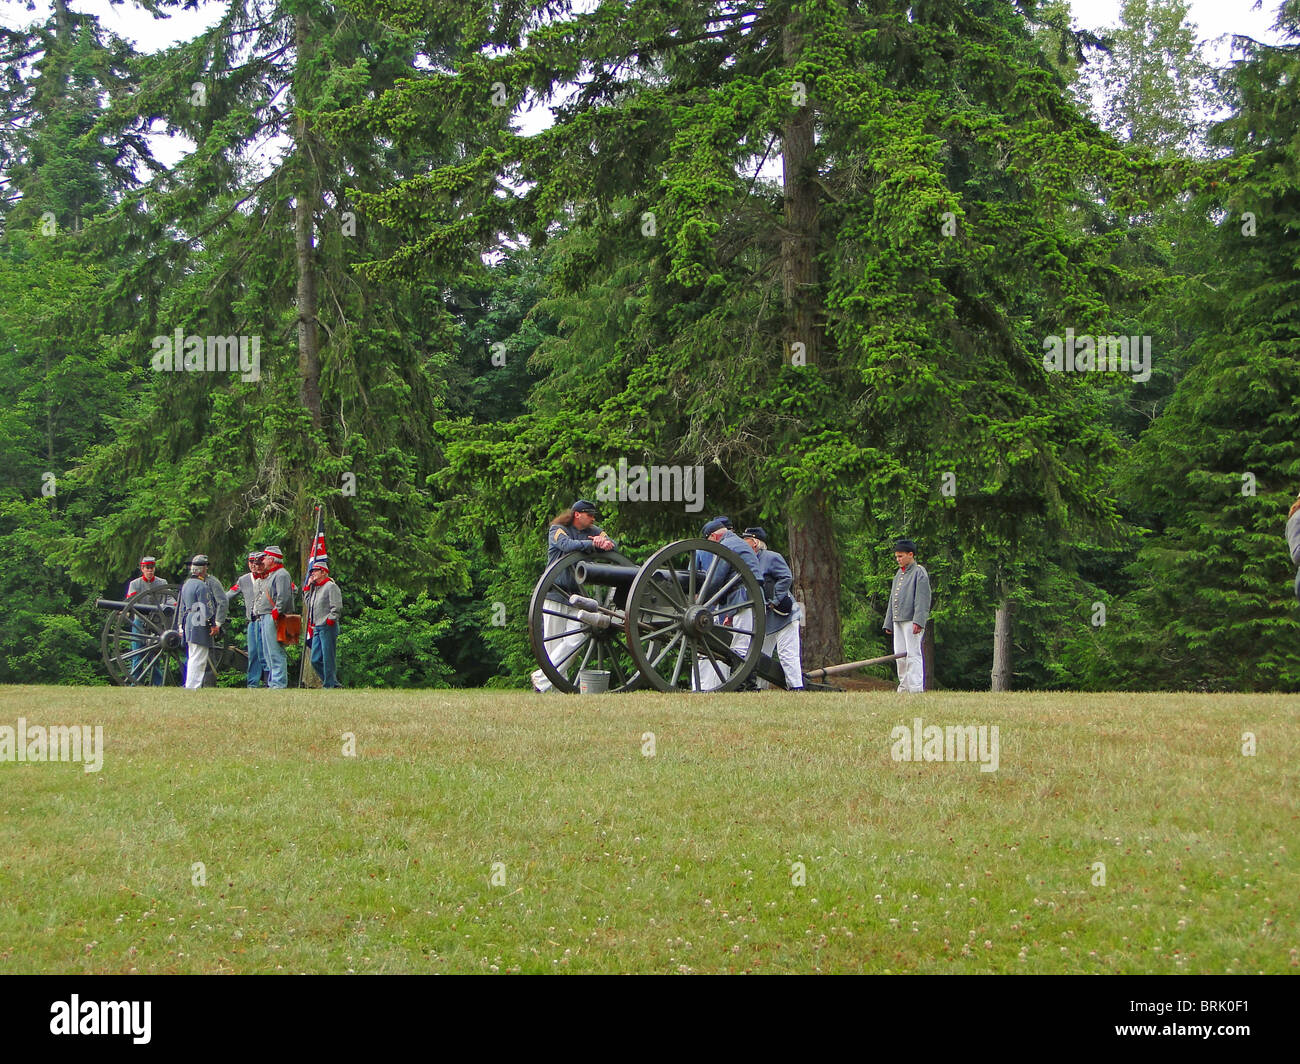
(141, 646)
(691, 618)
(670, 624)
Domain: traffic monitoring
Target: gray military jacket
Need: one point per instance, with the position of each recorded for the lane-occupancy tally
(909, 598)
(245, 586)
(325, 603)
(275, 591)
(1293, 542)
(776, 579)
(219, 598)
(140, 584)
(198, 611)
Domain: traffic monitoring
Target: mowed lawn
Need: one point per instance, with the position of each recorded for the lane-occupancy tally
(487, 831)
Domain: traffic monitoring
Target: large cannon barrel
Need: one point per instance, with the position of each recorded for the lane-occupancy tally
(621, 575)
(143, 607)
(605, 574)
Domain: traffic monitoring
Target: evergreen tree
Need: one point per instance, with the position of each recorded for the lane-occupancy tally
(1220, 466)
(254, 236)
(869, 322)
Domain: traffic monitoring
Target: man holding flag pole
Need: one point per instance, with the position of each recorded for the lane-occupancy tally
(324, 607)
(316, 553)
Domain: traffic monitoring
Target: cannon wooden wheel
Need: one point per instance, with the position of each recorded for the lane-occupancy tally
(556, 631)
(678, 614)
(141, 647)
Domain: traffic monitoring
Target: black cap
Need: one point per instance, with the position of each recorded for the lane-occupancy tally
(757, 532)
(906, 545)
(199, 559)
(712, 526)
(582, 506)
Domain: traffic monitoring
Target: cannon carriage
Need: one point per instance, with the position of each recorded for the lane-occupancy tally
(141, 646)
(670, 624)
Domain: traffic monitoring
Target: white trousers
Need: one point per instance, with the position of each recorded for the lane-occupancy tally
(196, 665)
(785, 646)
(911, 669)
(710, 678)
(562, 652)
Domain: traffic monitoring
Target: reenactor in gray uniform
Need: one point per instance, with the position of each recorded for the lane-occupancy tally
(1293, 540)
(781, 632)
(324, 608)
(201, 613)
(907, 614)
(574, 529)
(146, 581)
(741, 622)
(246, 586)
(274, 599)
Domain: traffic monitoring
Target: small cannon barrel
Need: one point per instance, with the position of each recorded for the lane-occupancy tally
(605, 574)
(113, 604)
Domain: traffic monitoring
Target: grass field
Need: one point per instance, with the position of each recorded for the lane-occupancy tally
(479, 831)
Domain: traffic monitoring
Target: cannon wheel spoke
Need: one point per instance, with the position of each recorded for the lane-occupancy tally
(551, 628)
(134, 642)
(137, 643)
(674, 611)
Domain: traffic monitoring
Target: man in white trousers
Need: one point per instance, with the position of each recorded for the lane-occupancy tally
(741, 623)
(571, 530)
(201, 613)
(781, 630)
(907, 614)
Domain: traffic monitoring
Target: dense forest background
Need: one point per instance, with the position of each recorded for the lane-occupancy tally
(817, 247)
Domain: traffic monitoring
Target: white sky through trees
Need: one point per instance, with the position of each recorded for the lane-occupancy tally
(1215, 20)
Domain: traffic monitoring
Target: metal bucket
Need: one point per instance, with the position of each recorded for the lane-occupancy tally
(593, 682)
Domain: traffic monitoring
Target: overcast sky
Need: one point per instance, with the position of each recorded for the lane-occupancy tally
(1213, 18)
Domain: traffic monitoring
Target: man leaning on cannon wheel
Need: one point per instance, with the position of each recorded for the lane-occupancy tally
(574, 529)
(781, 631)
(906, 616)
(720, 530)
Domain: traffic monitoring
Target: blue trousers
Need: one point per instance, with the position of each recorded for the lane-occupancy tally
(255, 663)
(273, 654)
(324, 654)
(138, 667)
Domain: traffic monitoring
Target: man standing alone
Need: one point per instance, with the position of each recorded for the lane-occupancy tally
(907, 614)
